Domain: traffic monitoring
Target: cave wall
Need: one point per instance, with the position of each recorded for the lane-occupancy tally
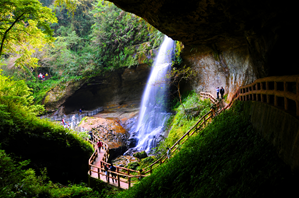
(123, 87)
(228, 66)
(279, 128)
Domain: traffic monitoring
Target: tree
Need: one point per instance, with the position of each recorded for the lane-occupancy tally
(24, 27)
(177, 75)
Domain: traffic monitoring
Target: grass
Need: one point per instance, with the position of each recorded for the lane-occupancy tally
(179, 124)
(227, 159)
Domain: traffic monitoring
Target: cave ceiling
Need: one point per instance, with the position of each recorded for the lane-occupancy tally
(196, 22)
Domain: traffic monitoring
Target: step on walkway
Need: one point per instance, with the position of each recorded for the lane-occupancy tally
(94, 173)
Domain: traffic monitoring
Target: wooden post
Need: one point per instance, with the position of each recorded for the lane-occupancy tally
(129, 181)
(151, 169)
(286, 106)
(107, 176)
(297, 108)
(275, 100)
(99, 176)
(118, 180)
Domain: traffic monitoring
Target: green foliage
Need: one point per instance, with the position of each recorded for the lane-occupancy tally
(15, 95)
(17, 181)
(132, 165)
(140, 155)
(178, 49)
(24, 28)
(57, 147)
(105, 39)
(121, 38)
(182, 121)
(41, 88)
(228, 159)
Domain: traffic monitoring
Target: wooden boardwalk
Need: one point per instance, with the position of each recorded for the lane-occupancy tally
(124, 176)
(95, 173)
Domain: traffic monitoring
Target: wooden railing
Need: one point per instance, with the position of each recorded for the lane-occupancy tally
(125, 175)
(281, 91)
(196, 127)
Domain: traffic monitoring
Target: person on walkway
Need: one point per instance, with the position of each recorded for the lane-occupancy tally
(40, 76)
(106, 167)
(63, 122)
(217, 91)
(100, 144)
(90, 134)
(112, 168)
(221, 92)
(80, 111)
(46, 76)
(168, 152)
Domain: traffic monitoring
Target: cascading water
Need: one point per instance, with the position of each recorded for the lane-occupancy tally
(153, 115)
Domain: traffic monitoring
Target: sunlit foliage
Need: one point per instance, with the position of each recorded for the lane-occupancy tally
(24, 28)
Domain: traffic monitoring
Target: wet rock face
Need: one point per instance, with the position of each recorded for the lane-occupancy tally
(229, 69)
(110, 131)
(57, 96)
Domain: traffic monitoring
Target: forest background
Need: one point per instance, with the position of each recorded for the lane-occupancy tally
(74, 43)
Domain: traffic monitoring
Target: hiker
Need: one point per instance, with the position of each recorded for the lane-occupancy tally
(112, 168)
(63, 122)
(217, 90)
(106, 167)
(221, 92)
(43, 77)
(168, 152)
(80, 111)
(90, 134)
(46, 76)
(100, 144)
(40, 76)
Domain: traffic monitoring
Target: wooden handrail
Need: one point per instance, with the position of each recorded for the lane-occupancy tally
(202, 121)
(173, 149)
(280, 91)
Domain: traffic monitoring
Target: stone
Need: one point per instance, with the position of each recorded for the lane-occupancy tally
(140, 155)
(132, 142)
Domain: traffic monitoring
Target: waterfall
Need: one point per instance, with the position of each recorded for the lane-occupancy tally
(153, 115)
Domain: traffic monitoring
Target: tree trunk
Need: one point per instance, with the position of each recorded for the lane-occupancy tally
(184, 111)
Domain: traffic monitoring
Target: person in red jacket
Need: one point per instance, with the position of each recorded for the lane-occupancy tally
(100, 144)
